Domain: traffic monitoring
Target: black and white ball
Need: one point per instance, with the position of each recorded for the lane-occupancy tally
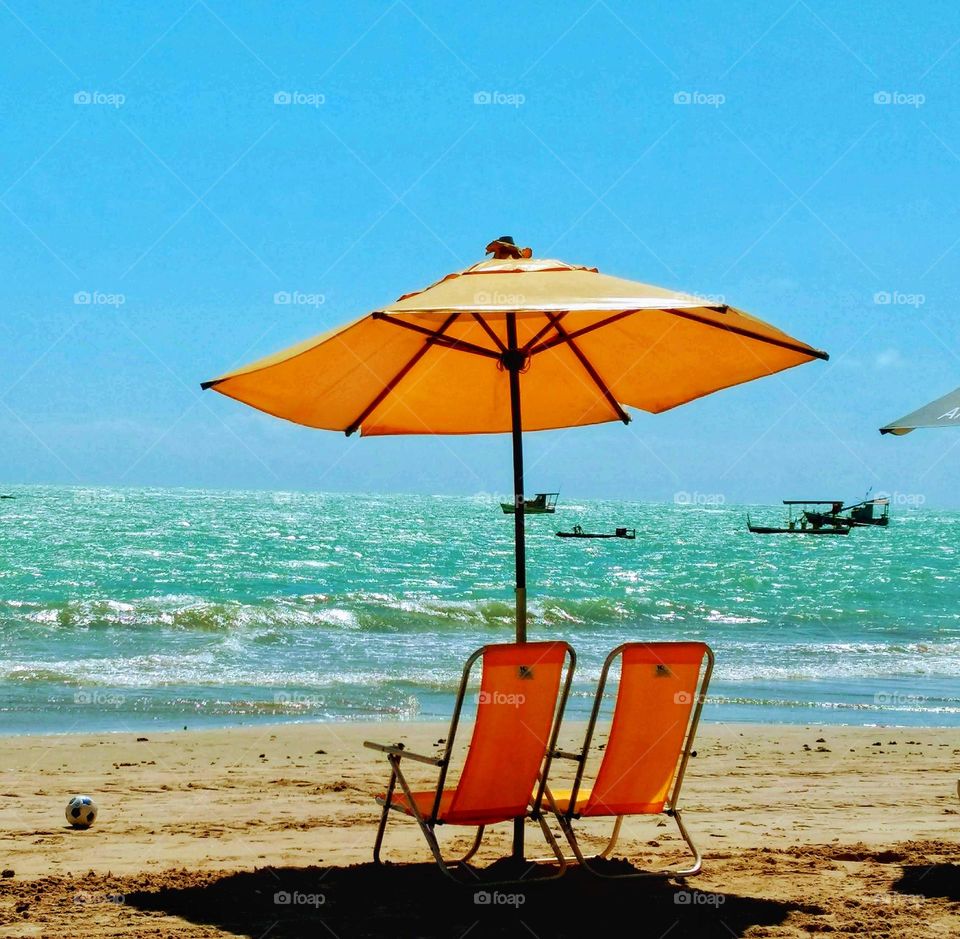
(81, 811)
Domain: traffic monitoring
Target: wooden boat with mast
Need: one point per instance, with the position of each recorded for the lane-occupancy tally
(858, 515)
(801, 525)
(543, 503)
(629, 533)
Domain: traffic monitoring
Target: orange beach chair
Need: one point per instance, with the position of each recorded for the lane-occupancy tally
(523, 691)
(657, 710)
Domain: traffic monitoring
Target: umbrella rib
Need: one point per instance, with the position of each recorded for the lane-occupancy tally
(588, 367)
(486, 328)
(540, 333)
(458, 345)
(750, 334)
(390, 385)
(550, 343)
(687, 314)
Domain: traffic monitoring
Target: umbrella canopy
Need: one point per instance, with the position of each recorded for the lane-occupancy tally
(944, 412)
(435, 362)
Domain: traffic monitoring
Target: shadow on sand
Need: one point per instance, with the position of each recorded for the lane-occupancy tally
(416, 900)
(930, 880)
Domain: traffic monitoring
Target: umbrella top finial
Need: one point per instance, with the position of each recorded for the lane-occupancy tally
(505, 247)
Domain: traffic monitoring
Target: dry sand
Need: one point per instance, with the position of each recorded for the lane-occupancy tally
(804, 830)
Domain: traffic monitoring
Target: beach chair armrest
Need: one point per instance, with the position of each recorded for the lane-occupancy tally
(567, 755)
(398, 749)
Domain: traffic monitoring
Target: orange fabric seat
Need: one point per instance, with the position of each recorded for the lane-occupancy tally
(659, 697)
(585, 809)
(655, 697)
(561, 799)
(523, 689)
(424, 802)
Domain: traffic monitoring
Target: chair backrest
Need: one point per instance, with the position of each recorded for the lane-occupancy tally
(655, 717)
(518, 715)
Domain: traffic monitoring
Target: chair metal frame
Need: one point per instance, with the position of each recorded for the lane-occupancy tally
(428, 823)
(565, 818)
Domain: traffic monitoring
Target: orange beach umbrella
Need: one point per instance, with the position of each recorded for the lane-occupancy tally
(511, 344)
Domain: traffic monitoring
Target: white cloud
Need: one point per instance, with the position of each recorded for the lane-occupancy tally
(889, 358)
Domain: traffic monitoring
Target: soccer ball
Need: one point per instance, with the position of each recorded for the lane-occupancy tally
(81, 811)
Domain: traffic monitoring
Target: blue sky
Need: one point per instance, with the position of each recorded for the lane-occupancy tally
(811, 176)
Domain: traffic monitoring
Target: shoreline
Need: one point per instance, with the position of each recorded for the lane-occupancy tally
(431, 721)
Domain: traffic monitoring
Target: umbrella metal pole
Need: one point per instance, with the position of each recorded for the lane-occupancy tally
(513, 361)
(519, 522)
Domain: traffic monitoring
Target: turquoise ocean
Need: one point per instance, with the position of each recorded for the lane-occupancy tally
(129, 609)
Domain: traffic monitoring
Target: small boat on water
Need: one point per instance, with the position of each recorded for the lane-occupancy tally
(803, 525)
(629, 533)
(543, 503)
(795, 530)
(858, 515)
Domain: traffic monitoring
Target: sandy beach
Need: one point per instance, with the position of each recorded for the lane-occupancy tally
(804, 830)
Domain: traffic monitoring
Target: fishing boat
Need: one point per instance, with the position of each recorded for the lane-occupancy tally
(801, 525)
(859, 515)
(629, 533)
(543, 503)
